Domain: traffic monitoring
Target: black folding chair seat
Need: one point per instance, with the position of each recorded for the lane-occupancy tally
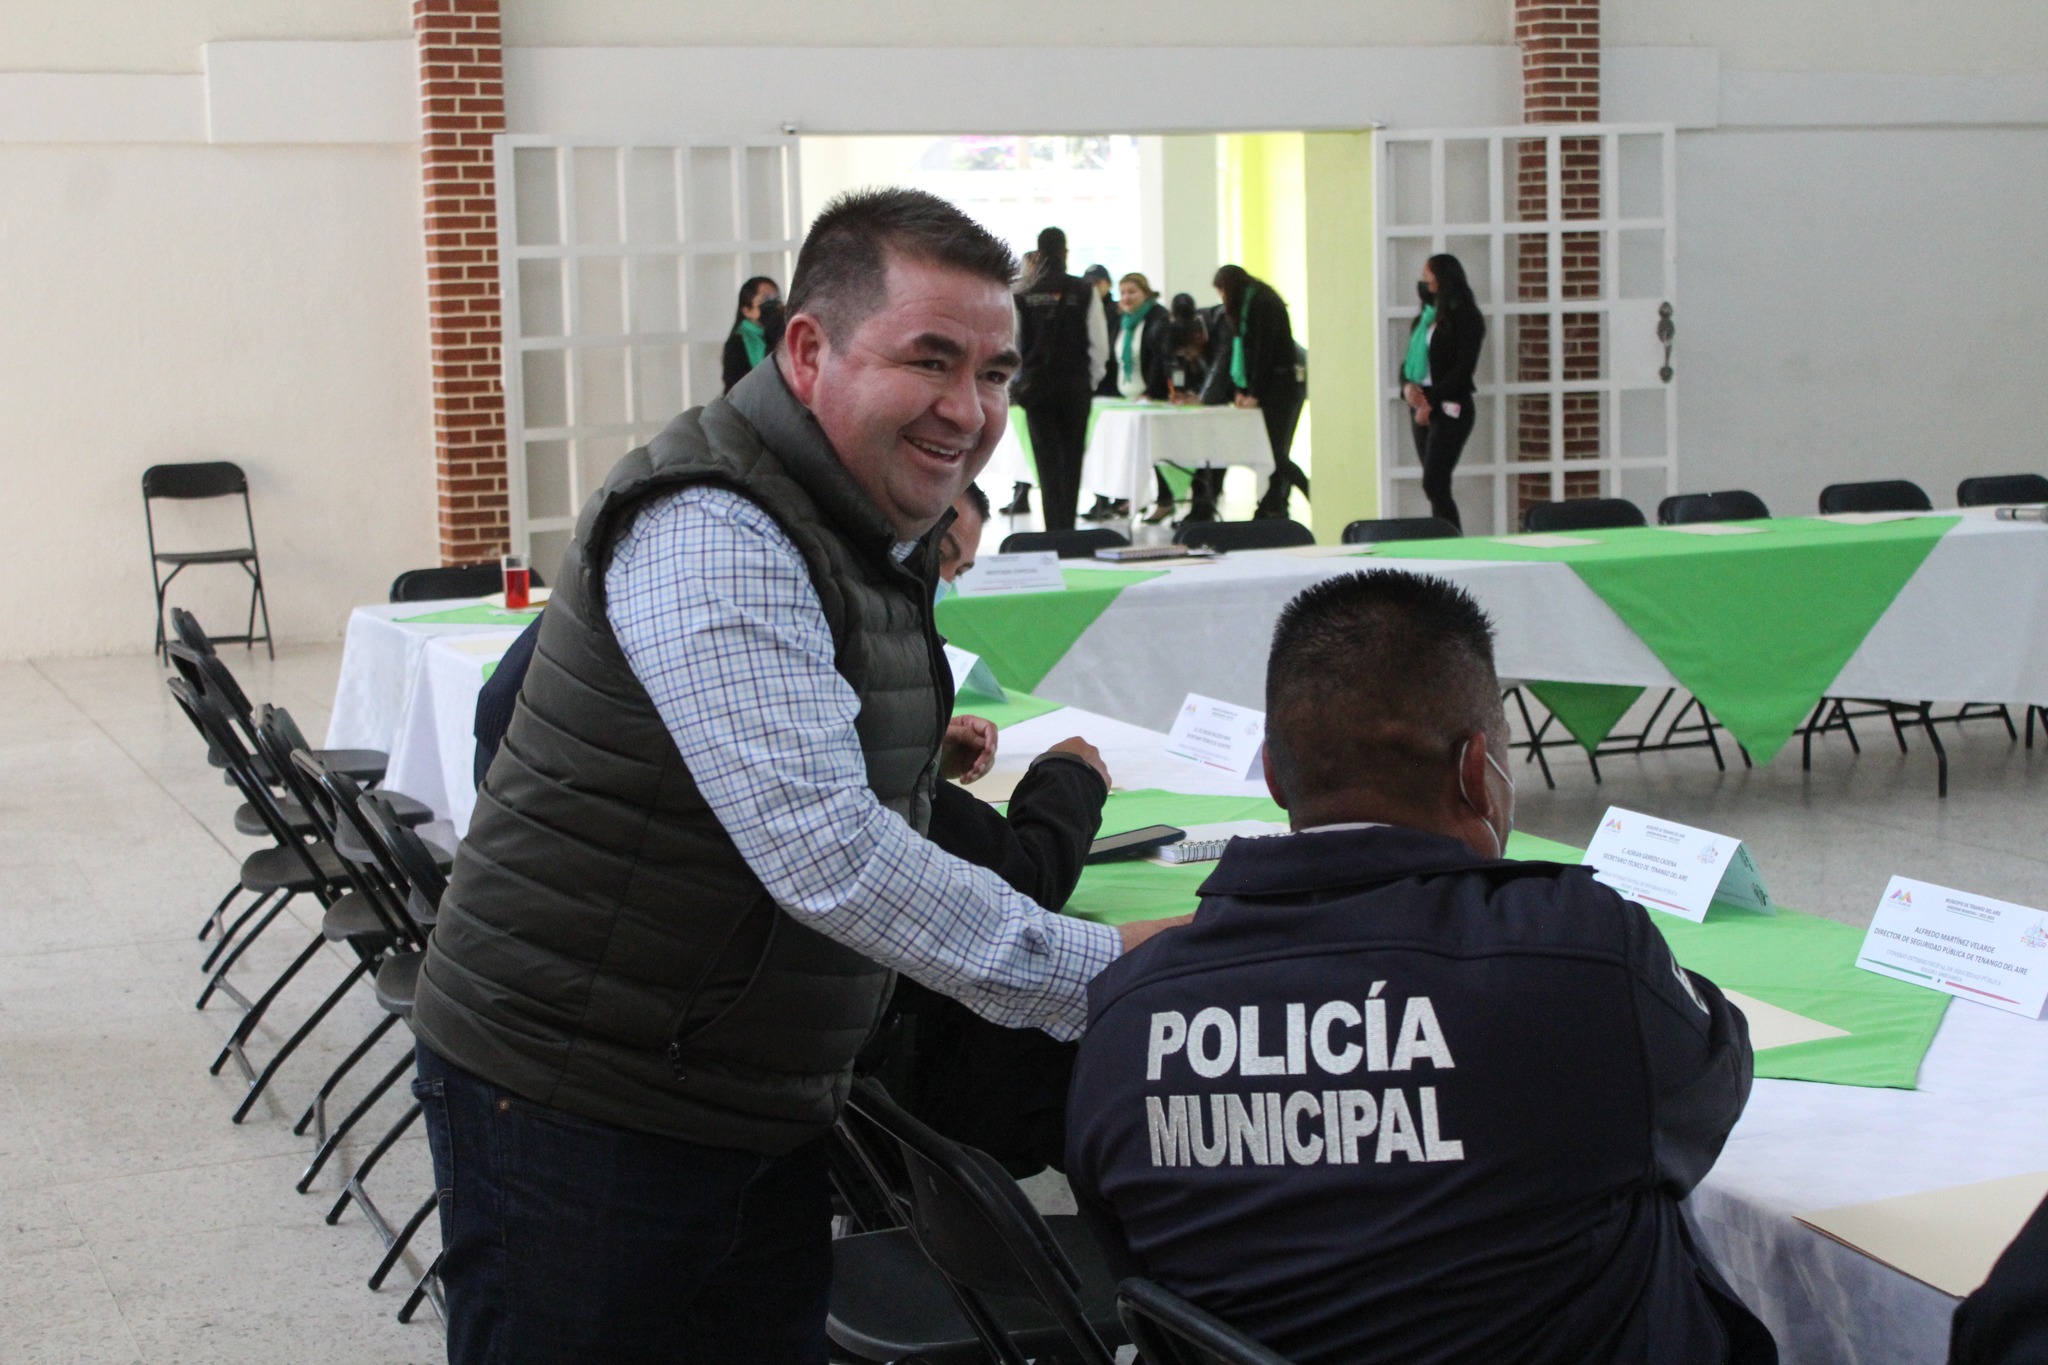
(1989, 490)
(282, 869)
(204, 556)
(1581, 514)
(1875, 495)
(398, 982)
(889, 1302)
(1733, 504)
(452, 581)
(354, 919)
(248, 820)
(1265, 533)
(1399, 528)
(1077, 544)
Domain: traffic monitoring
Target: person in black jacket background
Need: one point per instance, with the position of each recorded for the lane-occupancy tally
(1098, 278)
(1438, 377)
(1261, 361)
(753, 335)
(1064, 343)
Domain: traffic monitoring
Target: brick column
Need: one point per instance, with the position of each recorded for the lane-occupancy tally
(1560, 43)
(462, 104)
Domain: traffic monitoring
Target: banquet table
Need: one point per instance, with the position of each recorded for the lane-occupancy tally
(1979, 1109)
(1759, 622)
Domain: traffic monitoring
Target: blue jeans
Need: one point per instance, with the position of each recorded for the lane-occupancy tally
(570, 1240)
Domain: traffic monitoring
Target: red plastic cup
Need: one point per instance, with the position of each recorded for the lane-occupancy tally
(518, 590)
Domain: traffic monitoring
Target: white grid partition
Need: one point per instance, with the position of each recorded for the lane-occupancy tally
(1501, 199)
(620, 265)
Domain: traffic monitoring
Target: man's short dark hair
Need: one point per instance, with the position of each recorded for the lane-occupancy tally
(841, 273)
(1373, 681)
(978, 500)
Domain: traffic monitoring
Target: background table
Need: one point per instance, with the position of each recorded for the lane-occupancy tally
(1948, 635)
(1125, 439)
(1128, 438)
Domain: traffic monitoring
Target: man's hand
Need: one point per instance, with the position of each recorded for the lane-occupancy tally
(1412, 395)
(969, 750)
(1138, 930)
(1086, 752)
(1422, 415)
(1245, 400)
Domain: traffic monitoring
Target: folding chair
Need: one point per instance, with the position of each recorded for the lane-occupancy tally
(1875, 495)
(1266, 533)
(461, 580)
(194, 483)
(354, 915)
(1734, 504)
(1581, 514)
(1021, 1286)
(1078, 544)
(1398, 528)
(1990, 490)
(334, 798)
(1168, 1330)
(416, 874)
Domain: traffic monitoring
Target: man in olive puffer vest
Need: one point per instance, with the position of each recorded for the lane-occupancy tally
(698, 857)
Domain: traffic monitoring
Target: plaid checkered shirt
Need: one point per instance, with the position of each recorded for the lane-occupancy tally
(714, 609)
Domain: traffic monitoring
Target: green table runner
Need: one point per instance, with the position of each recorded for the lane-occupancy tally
(1756, 626)
(1799, 962)
(1021, 706)
(478, 615)
(1022, 635)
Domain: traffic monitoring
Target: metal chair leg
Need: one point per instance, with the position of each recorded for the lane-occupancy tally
(354, 1188)
(219, 980)
(254, 1014)
(349, 1121)
(315, 1116)
(403, 1240)
(299, 1035)
(427, 1287)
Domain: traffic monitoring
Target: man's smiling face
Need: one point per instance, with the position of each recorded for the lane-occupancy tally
(916, 398)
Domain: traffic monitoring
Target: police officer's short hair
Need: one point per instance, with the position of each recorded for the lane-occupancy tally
(1373, 682)
(841, 272)
(978, 500)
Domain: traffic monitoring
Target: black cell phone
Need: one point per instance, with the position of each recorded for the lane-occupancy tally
(1133, 843)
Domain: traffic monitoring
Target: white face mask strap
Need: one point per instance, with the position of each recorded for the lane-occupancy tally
(1500, 843)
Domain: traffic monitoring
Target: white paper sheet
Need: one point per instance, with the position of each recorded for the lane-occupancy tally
(1947, 1238)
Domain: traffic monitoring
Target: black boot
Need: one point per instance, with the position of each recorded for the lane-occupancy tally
(1020, 501)
(1103, 510)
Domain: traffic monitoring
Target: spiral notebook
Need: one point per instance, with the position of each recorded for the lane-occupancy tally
(1204, 843)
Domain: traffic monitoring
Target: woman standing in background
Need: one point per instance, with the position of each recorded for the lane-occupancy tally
(748, 342)
(1262, 369)
(1437, 378)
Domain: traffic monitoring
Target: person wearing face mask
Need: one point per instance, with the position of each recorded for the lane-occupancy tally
(1438, 377)
(749, 341)
(1393, 1096)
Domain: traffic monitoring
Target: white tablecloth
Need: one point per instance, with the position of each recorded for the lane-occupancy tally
(1129, 438)
(379, 656)
(1981, 1110)
(1970, 625)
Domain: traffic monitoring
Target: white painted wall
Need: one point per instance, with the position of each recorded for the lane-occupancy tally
(1861, 304)
(265, 305)
(1001, 23)
(166, 35)
(1924, 36)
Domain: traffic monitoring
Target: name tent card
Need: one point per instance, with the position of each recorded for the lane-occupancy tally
(1038, 571)
(1674, 868)
(1993, 952)
(971, 673)
(1218, 734)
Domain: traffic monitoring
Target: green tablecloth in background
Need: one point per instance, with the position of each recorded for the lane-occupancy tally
(1022, 635)
(1798, 962)
(1756, 626)
(479, 615)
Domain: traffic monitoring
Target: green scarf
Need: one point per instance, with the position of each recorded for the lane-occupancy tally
(755, 340)
(1132, 322)
(1417, 365)
(1244, 320)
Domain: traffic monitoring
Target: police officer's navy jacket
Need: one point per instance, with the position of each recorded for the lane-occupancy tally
(1387, 1101)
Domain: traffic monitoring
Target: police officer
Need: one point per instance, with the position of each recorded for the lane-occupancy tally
(1392, 1097)
(1064, 344)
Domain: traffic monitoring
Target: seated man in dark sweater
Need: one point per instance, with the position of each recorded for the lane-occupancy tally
(1391, 1097)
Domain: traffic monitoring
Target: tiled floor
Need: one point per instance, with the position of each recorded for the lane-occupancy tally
(138, 1224)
